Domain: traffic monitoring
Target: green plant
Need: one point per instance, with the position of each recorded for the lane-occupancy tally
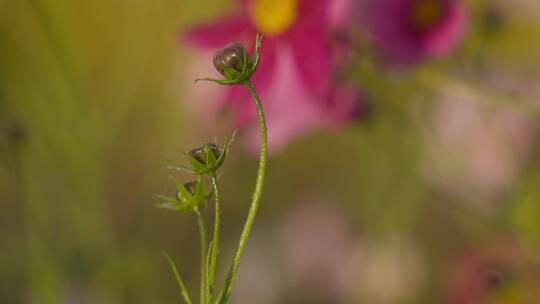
(234, 63)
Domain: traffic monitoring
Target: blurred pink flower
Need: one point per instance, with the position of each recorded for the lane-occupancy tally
(412, 30)
(296, 76)
(475, 151)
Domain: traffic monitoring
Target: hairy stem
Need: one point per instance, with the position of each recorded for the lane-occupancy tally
(215, 240)
(202, 233)
(256, 196)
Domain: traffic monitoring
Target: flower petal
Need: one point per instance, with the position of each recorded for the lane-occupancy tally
(222, 32)
(239, 98)
(340, 14)
(444, 38)
(312, 54)
(398, 41)
(291, 109)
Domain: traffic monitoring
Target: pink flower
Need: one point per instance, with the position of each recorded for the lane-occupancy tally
(412, 30)
(295, 77)
(489, 146)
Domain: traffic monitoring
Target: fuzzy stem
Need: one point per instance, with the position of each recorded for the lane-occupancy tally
(215, 239)
(202, 233)
(256, 196)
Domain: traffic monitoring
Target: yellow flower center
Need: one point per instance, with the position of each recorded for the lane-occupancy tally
(273, 17)
(426, 13)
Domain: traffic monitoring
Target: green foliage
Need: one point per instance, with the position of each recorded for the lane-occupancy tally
(206, 160)
(189, 196)
(179, 280)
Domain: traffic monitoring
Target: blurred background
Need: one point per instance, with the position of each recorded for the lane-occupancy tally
(404, 135)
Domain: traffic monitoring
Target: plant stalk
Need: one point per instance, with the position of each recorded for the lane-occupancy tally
(202, 233)
(215, 240)
(256, 196)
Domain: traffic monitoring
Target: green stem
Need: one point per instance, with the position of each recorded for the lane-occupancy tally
(202, 233)
(256, 196)
(215, 239)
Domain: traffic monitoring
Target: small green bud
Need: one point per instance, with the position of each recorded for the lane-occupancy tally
(200, 154)
(191, 188)
(206, 159)
(189, 196)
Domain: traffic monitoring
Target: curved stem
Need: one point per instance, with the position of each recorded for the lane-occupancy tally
(215, 240)
(202, 233)
(256, 196)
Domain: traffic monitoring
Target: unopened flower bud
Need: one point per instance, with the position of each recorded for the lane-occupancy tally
(189, 197)
(191, 187)
(206, 159)
(200, 153)
(235, 64)
(232, 56)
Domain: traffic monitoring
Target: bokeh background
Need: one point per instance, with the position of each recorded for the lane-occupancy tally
(428, 192)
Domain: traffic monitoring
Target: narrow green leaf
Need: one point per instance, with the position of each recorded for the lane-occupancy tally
(256, 54)
(179, 280)
(226, 148)
(178, 167)
(185, 195)
(197, 166)
(222, 82)
(226, 291)
(176, 182)
(166, 202)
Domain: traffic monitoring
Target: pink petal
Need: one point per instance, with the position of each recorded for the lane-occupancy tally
(313, 56)
(446, 36)
(311, 44)
(340, 14)
(310, 8)
(291, 109)
(217, 35)
(398, 41)
(240, 100)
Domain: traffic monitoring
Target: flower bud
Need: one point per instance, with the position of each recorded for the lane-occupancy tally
(235, 64)
(189, 197)
(199, 154)
(191, 188)
(232, 56)
(206, 159)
